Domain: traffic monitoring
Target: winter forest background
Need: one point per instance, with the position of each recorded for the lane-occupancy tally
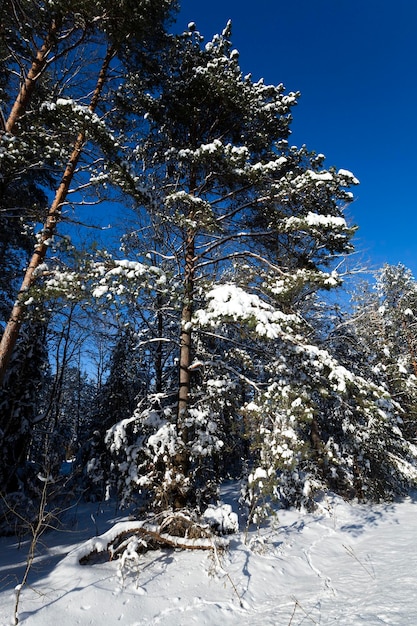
(221, 328)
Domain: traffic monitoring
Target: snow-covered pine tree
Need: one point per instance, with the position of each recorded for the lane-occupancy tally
(77, 105)
(246, 225)
(355, 405)
(397, 291)
(28, 151)
(384, 329)
(126, 382)
(55, 134)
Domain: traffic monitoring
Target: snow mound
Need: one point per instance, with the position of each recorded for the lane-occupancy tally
(222, 519)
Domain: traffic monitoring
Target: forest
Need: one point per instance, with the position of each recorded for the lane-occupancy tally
(219, 329)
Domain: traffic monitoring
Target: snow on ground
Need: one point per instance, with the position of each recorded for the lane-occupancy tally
(345, 564)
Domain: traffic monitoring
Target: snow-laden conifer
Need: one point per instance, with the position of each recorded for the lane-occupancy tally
(243, 224)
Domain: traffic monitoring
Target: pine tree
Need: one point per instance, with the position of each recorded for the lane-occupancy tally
(383, 322)
(55, 136)
(115, 401)
(241, 217)
(128, 30)
(20, 405)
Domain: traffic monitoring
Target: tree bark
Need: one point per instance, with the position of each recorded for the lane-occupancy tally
(186, 315)
(185, 333)
(182, 458)
(182, 461)
(159, 349)
(11, 331)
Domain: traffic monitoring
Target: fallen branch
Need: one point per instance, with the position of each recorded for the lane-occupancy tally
(151, 534)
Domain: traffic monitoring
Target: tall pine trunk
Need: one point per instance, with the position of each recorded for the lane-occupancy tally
(182, 461)
(185, 332)
(28, 85)
(11, 332)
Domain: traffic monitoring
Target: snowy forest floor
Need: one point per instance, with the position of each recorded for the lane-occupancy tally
(344, 564)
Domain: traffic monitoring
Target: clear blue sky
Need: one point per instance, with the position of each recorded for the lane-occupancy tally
(355, 63)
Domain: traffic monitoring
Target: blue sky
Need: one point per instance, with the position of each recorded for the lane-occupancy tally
(355, 63)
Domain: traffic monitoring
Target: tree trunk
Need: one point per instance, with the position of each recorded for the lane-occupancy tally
(185, 333)
(181, 460)
(38, 65)
(11, 331)
(159, 349)
(186, 315)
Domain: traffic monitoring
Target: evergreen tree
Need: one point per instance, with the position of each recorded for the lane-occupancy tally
(129, 30)
(221, 368)
(115, 401)
(54, 132)
(249, 224)
(384, 329)
(21, 406)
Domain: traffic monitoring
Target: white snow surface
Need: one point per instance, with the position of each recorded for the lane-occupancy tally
(346, 564)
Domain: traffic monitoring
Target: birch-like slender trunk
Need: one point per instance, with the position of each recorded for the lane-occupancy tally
(11, 331)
